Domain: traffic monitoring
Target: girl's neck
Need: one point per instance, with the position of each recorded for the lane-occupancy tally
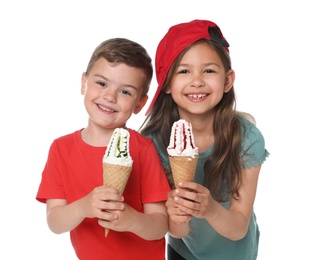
(204, 138)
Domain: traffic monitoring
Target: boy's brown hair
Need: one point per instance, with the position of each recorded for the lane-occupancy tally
(122, 50)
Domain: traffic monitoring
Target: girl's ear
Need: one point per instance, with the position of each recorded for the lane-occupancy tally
(229, 80)
(168, 90)
(83, 82)
(141, 104)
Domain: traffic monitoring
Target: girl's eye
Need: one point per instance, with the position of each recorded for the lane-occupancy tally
(182, 71)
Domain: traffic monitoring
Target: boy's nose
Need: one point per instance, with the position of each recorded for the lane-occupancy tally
(109, 95)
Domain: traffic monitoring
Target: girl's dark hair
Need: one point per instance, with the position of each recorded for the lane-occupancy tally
(121, 50)
(225, 161)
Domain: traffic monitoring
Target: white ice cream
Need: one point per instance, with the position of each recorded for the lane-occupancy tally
(117, 151)
(182, 140)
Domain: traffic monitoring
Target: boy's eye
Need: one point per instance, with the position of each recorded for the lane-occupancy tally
(126, 92)
(102, 84)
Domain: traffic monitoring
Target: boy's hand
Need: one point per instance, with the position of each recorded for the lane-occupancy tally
(120, 220)
(100, 201)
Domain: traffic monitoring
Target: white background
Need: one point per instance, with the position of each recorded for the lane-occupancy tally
(45, 47)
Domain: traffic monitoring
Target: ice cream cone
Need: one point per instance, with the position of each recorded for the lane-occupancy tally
(183, 168)
(115, 175)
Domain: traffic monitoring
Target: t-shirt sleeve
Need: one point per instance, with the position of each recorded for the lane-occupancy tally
(51, 184)
(254, 152)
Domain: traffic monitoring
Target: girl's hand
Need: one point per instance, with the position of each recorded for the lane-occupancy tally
(173, 210)
(192, 199)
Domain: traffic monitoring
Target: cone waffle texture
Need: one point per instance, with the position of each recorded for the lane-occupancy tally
(183, 168)
(116, 176)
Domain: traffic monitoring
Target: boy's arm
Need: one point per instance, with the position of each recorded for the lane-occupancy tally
(153, 224)
(150, 225)
(63, 217)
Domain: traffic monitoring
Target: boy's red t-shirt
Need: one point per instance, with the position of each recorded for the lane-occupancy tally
(74, 169)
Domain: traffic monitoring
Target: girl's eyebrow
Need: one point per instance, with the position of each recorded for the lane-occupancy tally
(205, 64)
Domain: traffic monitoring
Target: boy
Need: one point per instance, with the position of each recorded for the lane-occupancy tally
(114, 86)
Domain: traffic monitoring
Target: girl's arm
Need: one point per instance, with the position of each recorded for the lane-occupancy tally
(231, 223)
(178, 220)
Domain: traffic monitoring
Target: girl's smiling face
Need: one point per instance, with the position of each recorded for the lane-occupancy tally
(200, 80)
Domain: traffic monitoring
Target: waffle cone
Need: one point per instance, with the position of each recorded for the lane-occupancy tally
(116, 176)
(183, 168)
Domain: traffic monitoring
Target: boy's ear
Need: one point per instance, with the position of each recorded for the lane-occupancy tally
(141, 104)
(83, 81)
(229, 81)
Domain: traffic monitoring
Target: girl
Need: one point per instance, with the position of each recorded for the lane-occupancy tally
(212, 217)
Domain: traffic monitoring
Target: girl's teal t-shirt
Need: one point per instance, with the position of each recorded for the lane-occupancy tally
(203, 242)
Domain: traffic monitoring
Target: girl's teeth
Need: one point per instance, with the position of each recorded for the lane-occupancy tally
(197, 96)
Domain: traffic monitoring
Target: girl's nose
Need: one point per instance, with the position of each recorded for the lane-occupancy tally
(197, 81)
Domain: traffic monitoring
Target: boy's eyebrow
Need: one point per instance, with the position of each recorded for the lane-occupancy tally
(100, 76)
(130, 86)
(124, 85)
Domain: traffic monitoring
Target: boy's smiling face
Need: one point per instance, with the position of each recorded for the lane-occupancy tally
(112, 93)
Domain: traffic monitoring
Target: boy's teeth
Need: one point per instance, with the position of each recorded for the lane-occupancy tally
(103, 108)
